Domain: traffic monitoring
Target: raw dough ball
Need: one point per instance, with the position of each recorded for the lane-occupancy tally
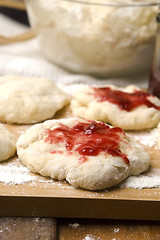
(29, 100)
(88, 104)
(7, 143)
(88, 154)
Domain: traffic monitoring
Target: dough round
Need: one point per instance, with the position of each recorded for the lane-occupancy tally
(47, 152)
(29, 100)
(85, 105)
(7, 143)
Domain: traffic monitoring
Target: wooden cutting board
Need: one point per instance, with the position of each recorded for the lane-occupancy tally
(49, 198)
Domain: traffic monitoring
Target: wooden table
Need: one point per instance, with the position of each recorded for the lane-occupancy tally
(22, 228)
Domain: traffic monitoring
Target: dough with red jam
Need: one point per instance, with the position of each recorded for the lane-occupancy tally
(136, 110)
(29, 100)
(7, 143)
(88, 154)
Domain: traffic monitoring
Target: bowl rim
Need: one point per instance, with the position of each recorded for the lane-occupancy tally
(117, 3)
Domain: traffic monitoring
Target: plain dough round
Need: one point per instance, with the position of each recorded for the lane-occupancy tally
(97, 172)
(29, 100)
(86, 106)
(7, 143)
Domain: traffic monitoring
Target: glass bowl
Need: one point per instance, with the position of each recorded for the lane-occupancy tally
(96, 37)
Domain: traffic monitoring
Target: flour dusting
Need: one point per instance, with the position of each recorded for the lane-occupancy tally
(148, 137)
(91, 237)
(74, 225)
(11, 174)
(151, 179)
(116, 230)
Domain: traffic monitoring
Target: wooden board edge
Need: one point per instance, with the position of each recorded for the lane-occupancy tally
(89, 208)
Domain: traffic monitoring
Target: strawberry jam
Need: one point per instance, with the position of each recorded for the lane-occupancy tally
(125, 101)
(88, 139)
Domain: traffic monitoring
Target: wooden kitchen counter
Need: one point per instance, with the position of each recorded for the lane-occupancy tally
(22, 228)
(108, 229)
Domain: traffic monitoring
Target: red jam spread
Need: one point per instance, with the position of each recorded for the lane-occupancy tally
(88, 139)
(125, 101)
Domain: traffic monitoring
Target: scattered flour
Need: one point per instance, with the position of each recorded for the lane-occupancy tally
(116, 230)
(12, 174)
(74, 225)
(91, 237)
(151, 179)
(148, 138)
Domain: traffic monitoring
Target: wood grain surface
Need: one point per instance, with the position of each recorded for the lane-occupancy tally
(12, 228)
(71, 229)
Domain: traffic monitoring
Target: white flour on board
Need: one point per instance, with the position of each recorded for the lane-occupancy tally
(151, 179)
(74, 225)
(148, 137)
(14, 172)
(11, 174)
(91, 237)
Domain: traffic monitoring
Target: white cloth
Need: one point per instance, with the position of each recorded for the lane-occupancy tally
(26, 59)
